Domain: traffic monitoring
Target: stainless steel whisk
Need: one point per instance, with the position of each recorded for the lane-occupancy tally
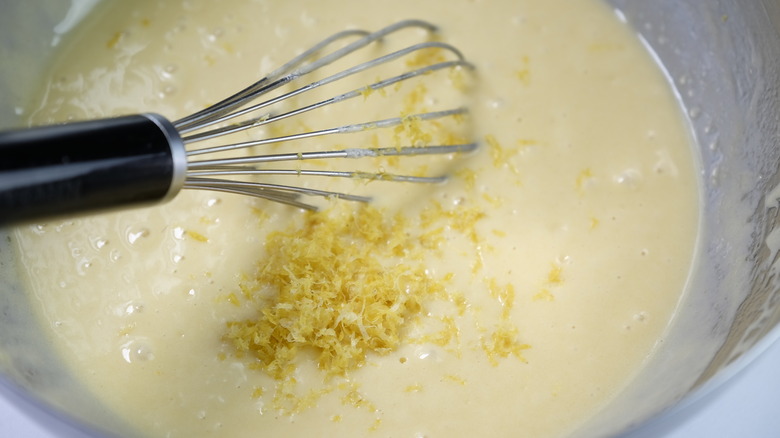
(83, 166)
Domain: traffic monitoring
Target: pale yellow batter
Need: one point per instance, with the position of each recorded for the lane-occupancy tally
(563, 244)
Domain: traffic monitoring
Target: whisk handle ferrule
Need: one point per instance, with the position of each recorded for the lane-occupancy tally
(86, 166)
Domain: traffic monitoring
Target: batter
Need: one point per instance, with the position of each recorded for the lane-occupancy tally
(534, 284)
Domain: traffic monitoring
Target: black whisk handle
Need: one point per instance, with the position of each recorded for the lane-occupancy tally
(87, 166)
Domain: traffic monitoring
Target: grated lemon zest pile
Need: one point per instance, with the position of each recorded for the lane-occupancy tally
(338, 288)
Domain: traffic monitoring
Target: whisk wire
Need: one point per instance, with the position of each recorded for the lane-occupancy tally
(207, 174)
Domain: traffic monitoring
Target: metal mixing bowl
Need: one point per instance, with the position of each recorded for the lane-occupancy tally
(723, 59)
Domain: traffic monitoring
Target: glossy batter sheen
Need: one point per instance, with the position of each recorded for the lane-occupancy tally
(583, 197)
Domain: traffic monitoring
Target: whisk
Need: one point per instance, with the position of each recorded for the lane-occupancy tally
(143, 158)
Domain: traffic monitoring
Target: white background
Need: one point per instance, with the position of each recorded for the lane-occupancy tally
(749, 406)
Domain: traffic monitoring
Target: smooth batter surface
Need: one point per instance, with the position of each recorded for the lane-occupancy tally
(582, 201)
